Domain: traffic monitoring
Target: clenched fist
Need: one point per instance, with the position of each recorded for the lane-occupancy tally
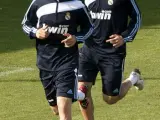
(42, 33)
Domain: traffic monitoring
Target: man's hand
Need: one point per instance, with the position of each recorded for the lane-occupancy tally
(69, 41)
(116, 40)
(42, 33)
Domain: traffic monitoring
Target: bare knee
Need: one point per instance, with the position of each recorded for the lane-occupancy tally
(89, 86)
(54, 110)
(110, 100)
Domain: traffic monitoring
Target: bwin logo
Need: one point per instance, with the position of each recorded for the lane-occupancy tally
(104, 15)
(62, 29)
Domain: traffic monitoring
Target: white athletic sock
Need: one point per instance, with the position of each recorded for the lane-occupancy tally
(133, 77)
(80, 95)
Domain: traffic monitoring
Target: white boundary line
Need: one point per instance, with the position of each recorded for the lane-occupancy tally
(11, 67)
(17, 70)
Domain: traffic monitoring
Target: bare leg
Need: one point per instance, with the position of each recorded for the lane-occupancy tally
(87, 113)
(54, 110)
(126, 85)
(64, 108)
(133, 79)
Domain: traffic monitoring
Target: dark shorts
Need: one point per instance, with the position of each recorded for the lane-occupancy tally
(109, 66)
(60, 83)
(58, 73)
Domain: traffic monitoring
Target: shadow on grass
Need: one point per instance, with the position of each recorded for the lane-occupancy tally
(150, 13)
(12, 37)
(11, 34)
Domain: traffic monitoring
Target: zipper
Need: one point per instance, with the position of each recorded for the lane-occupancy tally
(57, 5)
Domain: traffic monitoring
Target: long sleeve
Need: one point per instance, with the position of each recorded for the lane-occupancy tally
(134, 23)
(30, 20)
(85, 24)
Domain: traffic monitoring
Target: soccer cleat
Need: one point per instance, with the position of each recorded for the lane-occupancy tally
(139, 85)
(84, 103)
(137, 71)
(134, 76)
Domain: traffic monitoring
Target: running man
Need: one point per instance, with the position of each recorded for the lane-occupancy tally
(53, 24)
(116, 23)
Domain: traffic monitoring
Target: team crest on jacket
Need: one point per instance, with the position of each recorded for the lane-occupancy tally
(110, 2)
(68, 16)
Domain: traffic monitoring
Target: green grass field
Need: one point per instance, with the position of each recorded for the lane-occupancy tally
(21, 93)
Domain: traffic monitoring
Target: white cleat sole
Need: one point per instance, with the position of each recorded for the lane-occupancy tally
(139, 85)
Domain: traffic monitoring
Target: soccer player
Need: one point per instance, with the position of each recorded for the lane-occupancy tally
(54, 23)
(116, 23)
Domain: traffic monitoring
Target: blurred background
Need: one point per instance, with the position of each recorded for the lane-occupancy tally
(22, 96)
